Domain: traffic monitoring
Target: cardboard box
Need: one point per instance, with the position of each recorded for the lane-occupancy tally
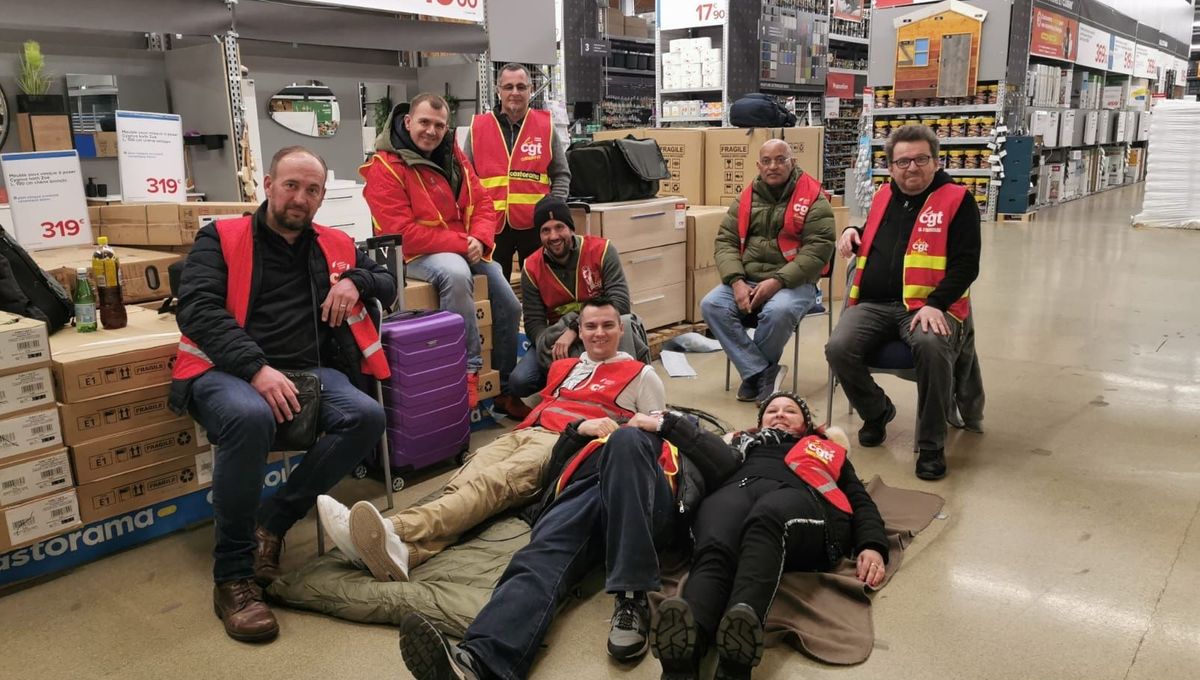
(636, 27)
(143, 272)
(421, 295)
(31, 477)
(144, 486)
(614, 21)
(106, 144)
(139, 447)
(703, 224)
(190, 214)
(30, 432)
(699, 283)
(683, 149)
(35, 520)
(731, 155)
(635, 225)
(89, 365)
(86, 420)
(25, 390)
(485, 339)
(23, 343)
(489, 384)
(483, 313)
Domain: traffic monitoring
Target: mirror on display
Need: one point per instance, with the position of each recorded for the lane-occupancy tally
(309, 109)
(93, 102)
(3, 117)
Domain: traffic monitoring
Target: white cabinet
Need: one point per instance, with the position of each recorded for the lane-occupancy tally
(6, 220)
(345, 208)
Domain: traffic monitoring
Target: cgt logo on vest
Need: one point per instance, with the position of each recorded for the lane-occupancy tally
(591, 279)
(931, 221)
(816, 450)
(337, 268)
(532, 148)
(920, 246)
(800, 208)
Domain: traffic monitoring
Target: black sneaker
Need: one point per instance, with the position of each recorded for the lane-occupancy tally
(748, 391)
(739, 643)
(766, 383)
(673, 640)
(931, 464)
(874, 431)
(629, 637)
(430, 656)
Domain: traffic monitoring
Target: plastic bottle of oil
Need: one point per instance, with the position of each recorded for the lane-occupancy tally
(106, 268)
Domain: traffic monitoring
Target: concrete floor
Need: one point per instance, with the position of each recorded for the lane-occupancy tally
(1068, 549)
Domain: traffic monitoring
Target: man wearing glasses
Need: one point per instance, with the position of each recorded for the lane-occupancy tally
(917, 256)
(772, 247)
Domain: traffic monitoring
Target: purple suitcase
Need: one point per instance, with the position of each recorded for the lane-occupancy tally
(426, 398)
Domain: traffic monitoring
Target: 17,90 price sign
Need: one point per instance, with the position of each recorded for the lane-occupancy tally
(150, 154)
(674, 14)
(45, 191)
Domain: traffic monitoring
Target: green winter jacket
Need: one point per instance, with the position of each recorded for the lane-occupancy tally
(763, 259)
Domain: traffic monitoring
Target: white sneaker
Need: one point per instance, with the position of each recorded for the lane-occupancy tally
(378, 543)
(335, 520)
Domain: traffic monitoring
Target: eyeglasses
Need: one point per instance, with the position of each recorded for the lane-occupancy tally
(920, 161)
(779, 160)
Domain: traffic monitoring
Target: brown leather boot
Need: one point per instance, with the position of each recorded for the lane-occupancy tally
(240, 606)
(266, 557)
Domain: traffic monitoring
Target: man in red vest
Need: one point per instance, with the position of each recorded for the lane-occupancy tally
(420, 185)
(604, 386)
(772, 247)
(556, 280)
(519, 159)
(260, 295)
(917, 257)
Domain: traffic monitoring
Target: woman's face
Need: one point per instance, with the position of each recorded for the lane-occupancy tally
(784, 414)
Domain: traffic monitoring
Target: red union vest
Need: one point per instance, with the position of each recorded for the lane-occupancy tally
(819, 462)
(925, 257)
(518, 180)
(237, 246)
(668, 460)
(588, 282)
(595, 397)
(426, 210)
(807, 191)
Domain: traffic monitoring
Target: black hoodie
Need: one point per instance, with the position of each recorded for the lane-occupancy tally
(883, 279)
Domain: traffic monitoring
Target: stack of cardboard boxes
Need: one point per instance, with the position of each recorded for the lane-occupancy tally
(703, 224)
(37, 491)
(143, 272)
(172, 225)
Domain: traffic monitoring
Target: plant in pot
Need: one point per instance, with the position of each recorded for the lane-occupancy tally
(34, 83)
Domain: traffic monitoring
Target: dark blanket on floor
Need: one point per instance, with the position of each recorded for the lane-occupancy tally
(828, 615)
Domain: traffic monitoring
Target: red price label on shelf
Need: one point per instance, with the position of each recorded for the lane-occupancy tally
(150, 154)
(673, 14)
(162, 185)
(62, 228)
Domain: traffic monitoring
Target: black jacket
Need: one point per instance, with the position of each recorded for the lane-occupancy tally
(202, 316)
(705, 462)
(882, 280)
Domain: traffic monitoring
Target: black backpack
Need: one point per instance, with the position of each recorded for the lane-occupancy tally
(26, 289)
(616, 169)
(760, 110)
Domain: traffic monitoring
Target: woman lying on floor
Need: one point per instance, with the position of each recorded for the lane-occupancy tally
(796, 504)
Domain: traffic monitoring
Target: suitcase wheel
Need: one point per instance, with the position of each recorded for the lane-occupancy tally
(397, 483)
(360, 471)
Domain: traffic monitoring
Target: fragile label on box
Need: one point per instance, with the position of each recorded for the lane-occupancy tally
(105, 416)
(22, 481)
(136, 448)
(25, 390)
(138, 488)
(43, 517)
(29, 432)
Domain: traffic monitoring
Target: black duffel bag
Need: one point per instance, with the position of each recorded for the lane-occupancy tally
(26, 289)
(760, 110)
(616, 169)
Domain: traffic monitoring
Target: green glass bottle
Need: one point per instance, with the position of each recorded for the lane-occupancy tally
(85, 302)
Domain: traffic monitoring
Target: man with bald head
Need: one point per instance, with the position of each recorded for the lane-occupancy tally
(775, 241)
(262, 298)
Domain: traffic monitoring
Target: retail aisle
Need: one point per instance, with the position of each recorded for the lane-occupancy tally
(1068, 548)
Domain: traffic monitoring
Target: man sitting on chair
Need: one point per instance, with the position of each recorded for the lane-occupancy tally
(917, 257)
(772, 247)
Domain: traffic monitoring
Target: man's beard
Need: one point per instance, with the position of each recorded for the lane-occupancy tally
(282, 219)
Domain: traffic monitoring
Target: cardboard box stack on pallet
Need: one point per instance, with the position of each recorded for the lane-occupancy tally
(422, 295)
(37, 491)
(143, 272)
(703, 223)
(172, 225)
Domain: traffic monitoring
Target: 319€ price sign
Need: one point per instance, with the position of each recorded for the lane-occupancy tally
(150, 154)
(691, 13)
(45, 192)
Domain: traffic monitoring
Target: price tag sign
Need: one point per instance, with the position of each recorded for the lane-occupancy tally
(150, 155)
(692, 13)
(45, 191)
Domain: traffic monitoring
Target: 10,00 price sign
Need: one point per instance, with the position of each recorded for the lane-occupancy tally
(45, 190)
(150, 153)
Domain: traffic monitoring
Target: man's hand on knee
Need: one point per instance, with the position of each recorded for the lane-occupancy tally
(279, 392)
(930, 318)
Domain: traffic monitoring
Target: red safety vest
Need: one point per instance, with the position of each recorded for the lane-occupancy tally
(807, 191)
(595, 397)
(517, 180)
(925, 257)
(668, 460)
(588, 282)
(819, 462)
(237, 246)
(435, 212)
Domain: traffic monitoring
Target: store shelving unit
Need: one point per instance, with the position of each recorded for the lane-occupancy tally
(719, 34)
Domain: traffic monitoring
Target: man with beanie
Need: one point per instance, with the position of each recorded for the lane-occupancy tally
(419, 185)
(556, 280)
(775, 241)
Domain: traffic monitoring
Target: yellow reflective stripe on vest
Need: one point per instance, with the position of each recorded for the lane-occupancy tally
(524, 199)
(493, 182)
(853, 292)
(499, 206)
(919, 261)
(917, 292)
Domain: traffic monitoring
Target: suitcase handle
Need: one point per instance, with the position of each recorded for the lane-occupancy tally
(409, 314)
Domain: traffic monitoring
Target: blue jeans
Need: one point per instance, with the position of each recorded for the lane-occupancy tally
(241, 427)
(619, 516)
(776, 320)
(451, 275)
(528, 377)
